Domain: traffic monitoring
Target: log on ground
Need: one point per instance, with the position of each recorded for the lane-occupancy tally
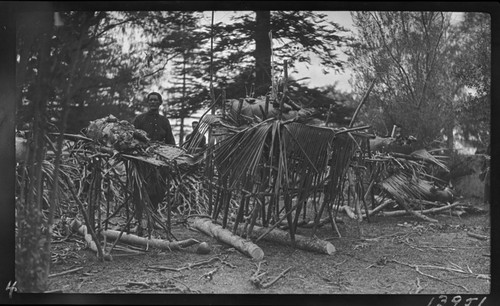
(283, 237)
(155, 243)
(81, 228)
(426, 211)
(214, 230)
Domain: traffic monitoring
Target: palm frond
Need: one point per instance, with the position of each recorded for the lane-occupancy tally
(309, 143)
(425, 155)
(241, 153)
(405, 186)
(203, 126)
(342, 149)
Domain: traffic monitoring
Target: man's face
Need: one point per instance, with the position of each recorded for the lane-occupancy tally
(154, 102)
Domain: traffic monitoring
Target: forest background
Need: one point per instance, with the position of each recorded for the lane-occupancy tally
(431, 69)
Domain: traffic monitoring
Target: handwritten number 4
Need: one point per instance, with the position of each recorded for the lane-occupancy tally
(11, 289)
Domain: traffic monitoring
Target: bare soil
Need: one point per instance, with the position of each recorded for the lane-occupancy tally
(388, 255)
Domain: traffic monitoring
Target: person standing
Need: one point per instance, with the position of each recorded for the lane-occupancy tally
(158, 129)
(155, 125)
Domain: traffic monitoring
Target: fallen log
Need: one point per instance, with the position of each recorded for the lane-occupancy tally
(155, 243)
(79, 227)
(349, 212)
(214, 230)
(427, 211)
(132, 239)
(283, 237)
(414, 202)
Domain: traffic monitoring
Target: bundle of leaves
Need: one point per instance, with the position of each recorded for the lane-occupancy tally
(257, 109)
(121, 135)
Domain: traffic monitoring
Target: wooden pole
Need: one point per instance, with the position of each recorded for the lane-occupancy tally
(361, 103)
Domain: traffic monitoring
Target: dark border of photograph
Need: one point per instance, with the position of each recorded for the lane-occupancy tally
(8, 11)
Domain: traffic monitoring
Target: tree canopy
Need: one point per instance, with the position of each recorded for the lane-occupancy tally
(430, 75)
(415, 59)
(473, 69)
(110, 59)
(260, 42)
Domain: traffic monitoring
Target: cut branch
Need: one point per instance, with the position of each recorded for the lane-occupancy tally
(214, 230)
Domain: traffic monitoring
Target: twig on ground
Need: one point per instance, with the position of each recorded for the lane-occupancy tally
(410, 245)
(224, 262)
(384, 236)
(256, 278)
(416, 267)
(143, 284)
(163, 268)
(338, 264)
(190, 266)
(81, 284)
(269, 284)
(66, 272)
(204, 262)
(477, 236)
(54, 291)
(450, 247)
(419, 288)
(122, 255)
(110, 290)
(187, 287)
(441, 280)
(209, 275)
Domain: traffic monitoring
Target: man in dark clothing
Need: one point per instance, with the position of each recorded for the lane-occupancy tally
(158, 129)
(156, 126)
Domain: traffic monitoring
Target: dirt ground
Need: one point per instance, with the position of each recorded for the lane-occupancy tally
(393, 255)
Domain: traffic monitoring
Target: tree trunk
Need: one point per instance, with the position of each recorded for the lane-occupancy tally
(32, 262)
(214, 230)
(301, 242)
(262, 53)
